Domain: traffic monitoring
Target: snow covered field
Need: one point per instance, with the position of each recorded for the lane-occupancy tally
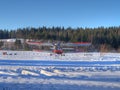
(60, 75)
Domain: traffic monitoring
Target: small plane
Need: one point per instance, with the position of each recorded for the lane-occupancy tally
(57, 47)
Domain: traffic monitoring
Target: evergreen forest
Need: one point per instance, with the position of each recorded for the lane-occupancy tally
(101, 37)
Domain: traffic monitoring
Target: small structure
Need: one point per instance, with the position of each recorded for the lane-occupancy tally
(10, 43)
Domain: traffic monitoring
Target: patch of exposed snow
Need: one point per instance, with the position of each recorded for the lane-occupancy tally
(47, 73)
(8, 73)
(26, 72)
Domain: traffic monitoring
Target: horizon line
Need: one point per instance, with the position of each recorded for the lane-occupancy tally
(59, 27)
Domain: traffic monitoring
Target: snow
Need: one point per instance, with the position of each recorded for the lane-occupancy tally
(103, 74)
(80, 56)
(47, 73)
(26, 72)
(61, 82)
(8, 73)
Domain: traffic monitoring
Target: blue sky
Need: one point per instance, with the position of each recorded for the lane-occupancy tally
(68, 13)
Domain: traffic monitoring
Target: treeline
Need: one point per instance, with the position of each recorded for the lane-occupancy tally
(107, 37)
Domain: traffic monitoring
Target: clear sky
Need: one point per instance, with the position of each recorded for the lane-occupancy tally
(68, 13)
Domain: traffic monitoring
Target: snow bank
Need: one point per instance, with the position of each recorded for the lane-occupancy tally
(8, 73)
(26, 72)
(47, 73)
(71, 74)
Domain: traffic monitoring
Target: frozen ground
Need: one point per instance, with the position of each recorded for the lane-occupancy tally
(83, 76)
(60, 75)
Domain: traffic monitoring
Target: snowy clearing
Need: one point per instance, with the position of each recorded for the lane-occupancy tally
(61, 75)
